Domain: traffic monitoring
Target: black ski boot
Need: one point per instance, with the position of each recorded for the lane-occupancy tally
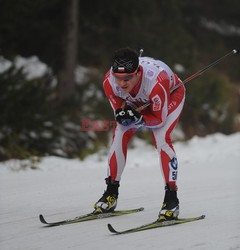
(170, 207)
(108, 202)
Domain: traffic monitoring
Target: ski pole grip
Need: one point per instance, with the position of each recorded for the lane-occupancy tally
(141, 108)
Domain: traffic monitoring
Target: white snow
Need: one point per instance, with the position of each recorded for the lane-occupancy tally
(80, 74)
(208, 184)
(4, 64)
(32, 66)
(221, 27)
(179, 68)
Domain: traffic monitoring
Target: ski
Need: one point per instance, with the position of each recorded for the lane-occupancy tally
(155, 224)
(89, 216)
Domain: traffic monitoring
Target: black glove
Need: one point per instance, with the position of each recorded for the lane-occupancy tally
(127, 116)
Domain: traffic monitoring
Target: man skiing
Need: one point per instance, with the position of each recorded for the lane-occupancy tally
(132, 82)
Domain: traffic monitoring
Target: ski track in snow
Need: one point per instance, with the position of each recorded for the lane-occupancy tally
(207, 180)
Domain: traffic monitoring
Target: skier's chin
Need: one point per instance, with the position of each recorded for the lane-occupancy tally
(126, 89)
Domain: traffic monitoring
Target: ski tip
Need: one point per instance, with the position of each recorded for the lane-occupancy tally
(141, 208)
(203, 216)
(41, 218)
(111, 229)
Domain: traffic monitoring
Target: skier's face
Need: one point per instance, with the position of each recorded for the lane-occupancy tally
(127, 81)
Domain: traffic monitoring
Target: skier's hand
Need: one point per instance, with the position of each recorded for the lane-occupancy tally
(127, 116)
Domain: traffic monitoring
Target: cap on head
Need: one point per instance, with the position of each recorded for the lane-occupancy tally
(125, 60)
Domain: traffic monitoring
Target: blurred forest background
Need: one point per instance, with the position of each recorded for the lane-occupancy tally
(76, 39)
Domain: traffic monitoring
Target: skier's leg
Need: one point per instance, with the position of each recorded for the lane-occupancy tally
(116, 161)
(168, 159)
(118, 151)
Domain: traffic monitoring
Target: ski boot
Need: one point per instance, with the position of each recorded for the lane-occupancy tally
(108, 202)
(170, 207)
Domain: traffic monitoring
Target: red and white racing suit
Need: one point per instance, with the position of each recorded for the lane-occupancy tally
(161, 116)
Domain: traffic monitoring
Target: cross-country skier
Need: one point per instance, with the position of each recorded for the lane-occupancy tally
(132, 82)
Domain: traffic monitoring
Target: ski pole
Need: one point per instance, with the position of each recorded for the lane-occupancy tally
(198, 73)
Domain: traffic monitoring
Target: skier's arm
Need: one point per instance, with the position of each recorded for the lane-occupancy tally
(115, 101)
(155, 115)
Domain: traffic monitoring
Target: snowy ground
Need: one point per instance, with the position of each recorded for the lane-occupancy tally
(208, 184)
